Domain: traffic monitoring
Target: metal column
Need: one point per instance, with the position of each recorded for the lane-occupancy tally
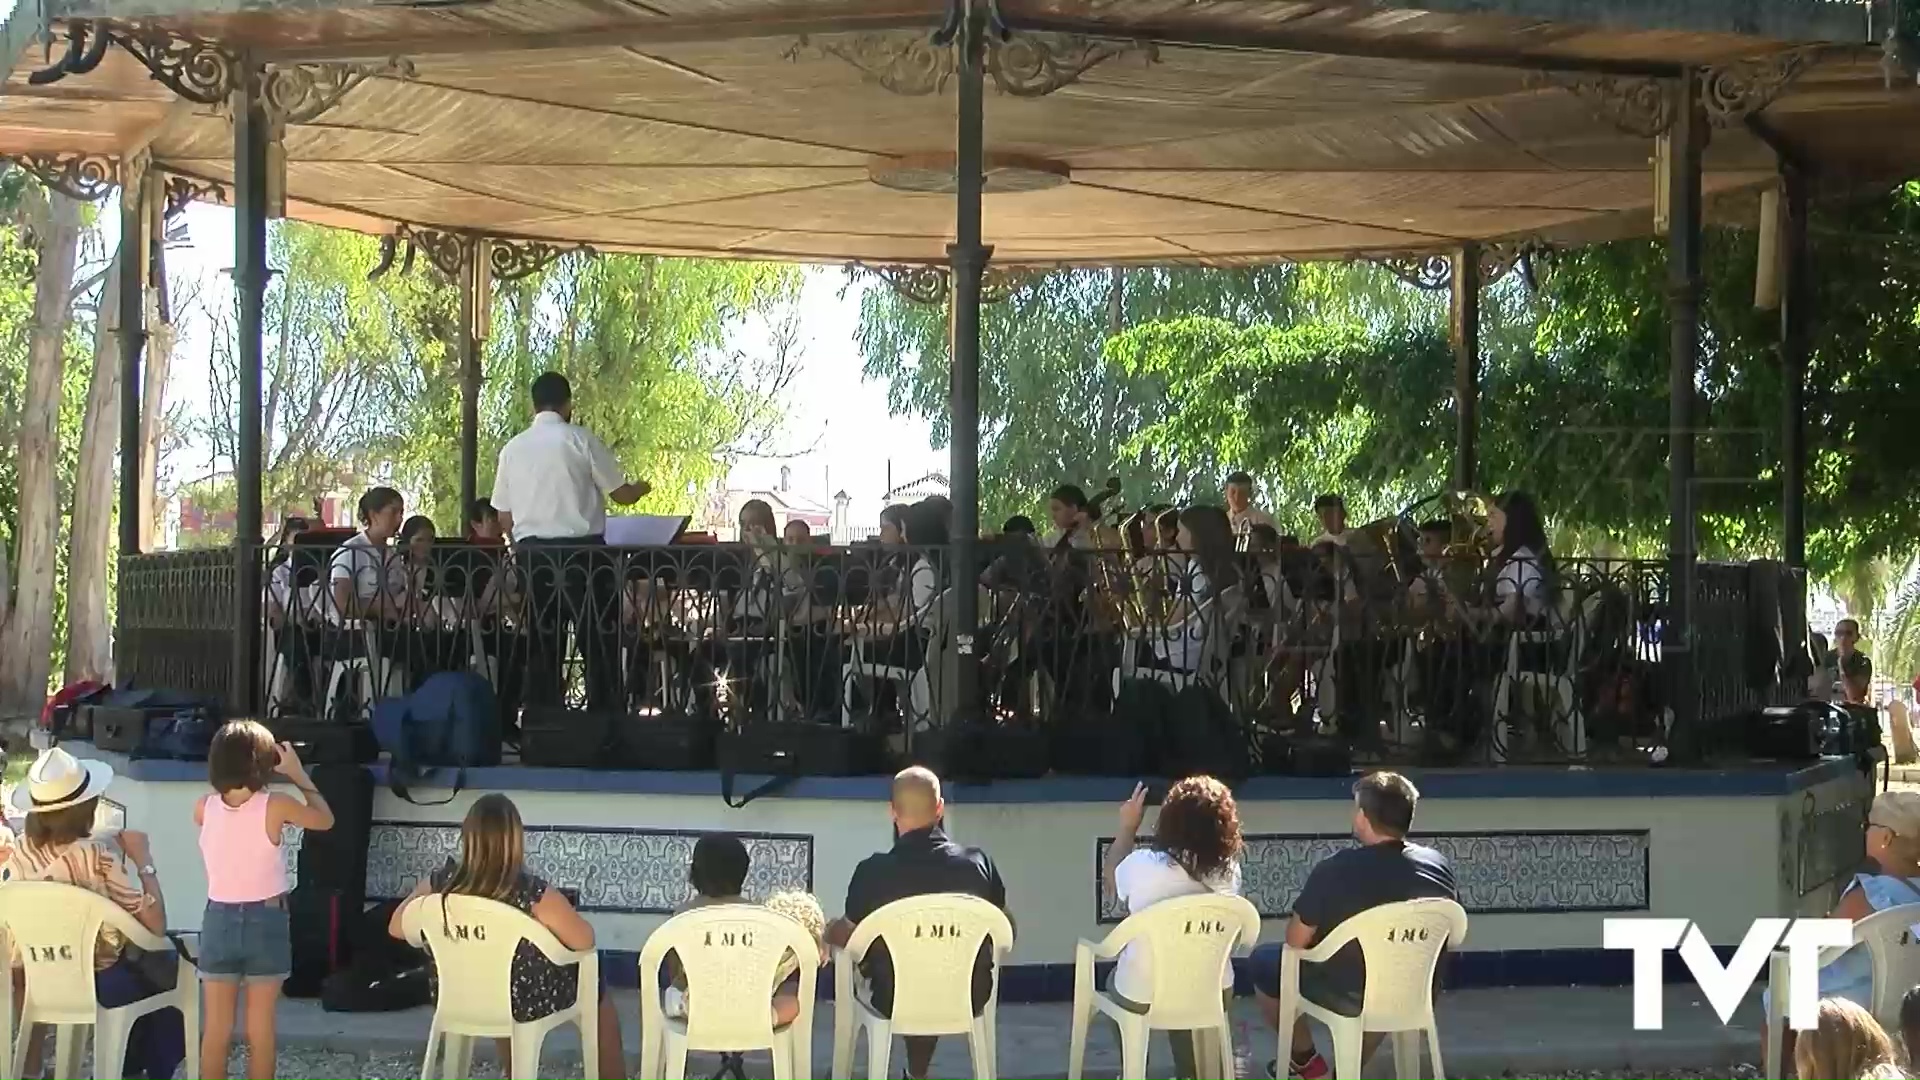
(469, 385)
(250, 273)
(1465, 332)
(1795, 315)
(967, 257)
(131, 308)
(1688, 139)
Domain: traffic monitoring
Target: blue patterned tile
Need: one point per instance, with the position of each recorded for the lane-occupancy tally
(1497, 872)
(634, 871)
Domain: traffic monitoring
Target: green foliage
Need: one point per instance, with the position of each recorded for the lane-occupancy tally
(363, 377)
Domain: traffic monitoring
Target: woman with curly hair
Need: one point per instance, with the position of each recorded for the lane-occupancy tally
(1195, 849)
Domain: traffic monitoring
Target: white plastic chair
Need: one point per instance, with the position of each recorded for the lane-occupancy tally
(54, 927)
(936, 938)
(1401, 943)
(472, 941)
(1895, 950)
(913, 681)
(1191, 940)
(730, 954)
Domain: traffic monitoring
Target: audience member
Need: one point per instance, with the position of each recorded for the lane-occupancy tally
(244, 935)
(362, 579)
(61, 799)
(923, 860)
(718, 874)
(1910, 1026)
(1241, 513)
(1855, 667)
(551, 488)
(492, 865)
(483, 523)
(1848, 1044)
(1893, 846)
(1385, 868)
(1195, 849)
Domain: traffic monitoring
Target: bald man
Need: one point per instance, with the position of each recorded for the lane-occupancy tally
(922, 860)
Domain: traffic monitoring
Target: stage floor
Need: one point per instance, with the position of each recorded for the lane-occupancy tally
(1542, 855)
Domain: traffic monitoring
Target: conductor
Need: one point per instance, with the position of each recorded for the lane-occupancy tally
(551, 488)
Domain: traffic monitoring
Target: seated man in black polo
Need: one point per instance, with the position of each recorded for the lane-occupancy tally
(922, 861)
(1385, 869)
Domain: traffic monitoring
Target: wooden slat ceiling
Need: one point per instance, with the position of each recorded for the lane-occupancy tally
(702, 127)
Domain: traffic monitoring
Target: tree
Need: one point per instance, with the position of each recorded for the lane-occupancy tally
(26, 634)
(89, 653)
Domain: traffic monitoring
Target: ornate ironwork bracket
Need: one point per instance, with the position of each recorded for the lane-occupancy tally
(300, 93)
(452, 252)
(199, 71)
(179, 191)
(1729, 93)
(86, 177)
(1434, 272)
(1029, 65)
(511, 260)
(932, 284)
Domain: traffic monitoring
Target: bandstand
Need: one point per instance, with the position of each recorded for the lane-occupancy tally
(952, 147)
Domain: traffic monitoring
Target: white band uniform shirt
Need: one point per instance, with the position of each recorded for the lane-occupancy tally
(1243, 521)
(553, 478)
(371, 568)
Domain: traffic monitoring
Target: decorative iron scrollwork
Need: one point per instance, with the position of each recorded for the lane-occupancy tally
(911, 64)
(1035, 65)
(86, 177)
(1643, 107)
(932, 284)
(199, 71)
(1729, 93)
(511, 260)
(1739, 90)
(907, 63)
(449, 252)
(1433, 273)
(180, 191)
(299, 93)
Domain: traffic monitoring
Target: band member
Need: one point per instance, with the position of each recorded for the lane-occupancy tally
(551, 489)
(1241, 513)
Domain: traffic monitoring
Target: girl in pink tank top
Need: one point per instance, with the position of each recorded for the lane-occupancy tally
(244, 935)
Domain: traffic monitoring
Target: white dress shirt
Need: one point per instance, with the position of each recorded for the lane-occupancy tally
(372, 568)
(1243, 521)
(554, 478)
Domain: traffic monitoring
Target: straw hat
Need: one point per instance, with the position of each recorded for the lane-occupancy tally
(57, 780)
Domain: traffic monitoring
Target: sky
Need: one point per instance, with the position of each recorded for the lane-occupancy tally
(839, 418)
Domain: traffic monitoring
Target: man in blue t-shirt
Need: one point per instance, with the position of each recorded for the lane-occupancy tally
(1386, 868)
(923, 860)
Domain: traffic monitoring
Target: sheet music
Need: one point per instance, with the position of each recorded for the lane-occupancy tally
(645, 530)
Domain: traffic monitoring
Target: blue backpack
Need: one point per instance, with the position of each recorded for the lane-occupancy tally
(451, 721)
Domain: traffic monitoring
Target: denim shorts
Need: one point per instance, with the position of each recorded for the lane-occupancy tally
(245, 941)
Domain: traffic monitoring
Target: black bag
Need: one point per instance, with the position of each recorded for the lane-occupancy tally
(1121, 743)
(1311, 755)
(381, 974)
(1202, 737)
(319, 925)
(327, 742)
(669, 742)
(1792, 733)
(337, 859)
(559, 737)
(784, 752)
(985, 752)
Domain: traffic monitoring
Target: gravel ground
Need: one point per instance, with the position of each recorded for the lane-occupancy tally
(320, 1065)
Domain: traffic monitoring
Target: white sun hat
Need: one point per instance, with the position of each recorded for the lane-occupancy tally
(57, 780)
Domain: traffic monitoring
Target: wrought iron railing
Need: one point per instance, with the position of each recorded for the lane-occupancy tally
(175, 622)
(1444, 661)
